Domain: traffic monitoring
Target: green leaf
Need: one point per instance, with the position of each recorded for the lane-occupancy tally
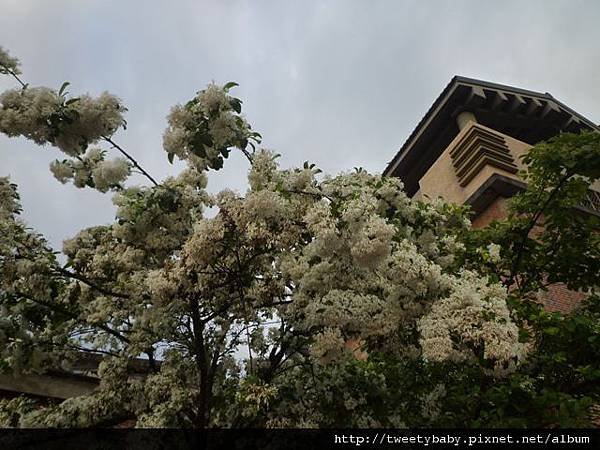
(218, 163)
(552, 331)
(170, 157)
(230, 85)
(236, 105)
(62, 88)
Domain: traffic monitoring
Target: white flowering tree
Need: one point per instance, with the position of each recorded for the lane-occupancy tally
(306, 294)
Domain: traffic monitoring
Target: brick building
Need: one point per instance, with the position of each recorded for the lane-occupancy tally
(467, 149)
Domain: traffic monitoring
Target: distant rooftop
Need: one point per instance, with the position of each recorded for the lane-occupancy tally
(525, 115)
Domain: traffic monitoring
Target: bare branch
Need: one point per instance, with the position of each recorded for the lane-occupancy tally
(130, 158)
(91, 284)
(11, 72)
(68, 313)
(521, 246)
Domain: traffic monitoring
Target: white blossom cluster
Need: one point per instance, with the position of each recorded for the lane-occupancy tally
(42, 115)
(203, 131)
(473, 322)
(94, 119)
(92, 170)
(27, 112)
(8, 63)
(494, 252)
(46, 116)
(9, 204)
(369, 256)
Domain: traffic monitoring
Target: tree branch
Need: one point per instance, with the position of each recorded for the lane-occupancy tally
(130, 158)
(248, 156)
(68, 313)
(11, 72)
(530, 226)
(311, 194)
(91, 284)
(93, 351)
(201, 364)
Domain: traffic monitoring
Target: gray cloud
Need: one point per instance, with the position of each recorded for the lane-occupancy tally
(340, 83)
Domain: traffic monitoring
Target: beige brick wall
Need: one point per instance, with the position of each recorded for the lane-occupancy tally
(441, 180)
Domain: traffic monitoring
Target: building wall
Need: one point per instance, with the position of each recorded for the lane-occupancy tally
(441, 179)
(497, 210)
(558, 297)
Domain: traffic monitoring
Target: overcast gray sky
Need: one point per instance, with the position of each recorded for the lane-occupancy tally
(340, 83)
